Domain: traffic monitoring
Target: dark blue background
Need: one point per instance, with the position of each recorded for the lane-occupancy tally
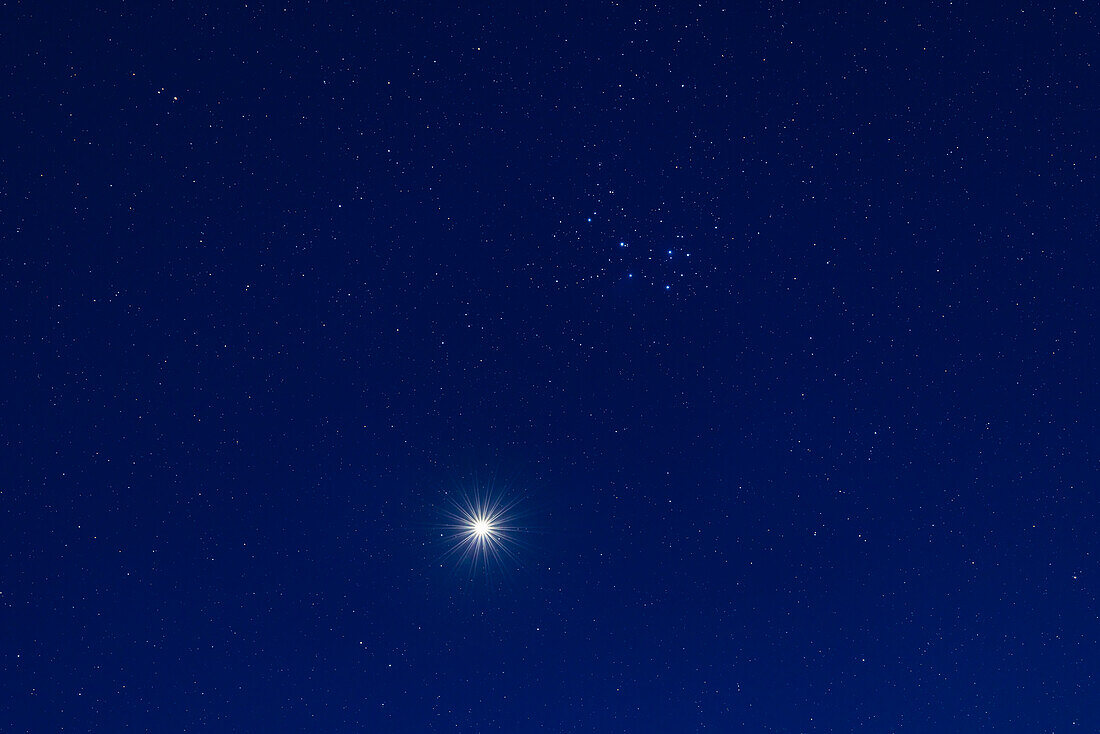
(813, 449)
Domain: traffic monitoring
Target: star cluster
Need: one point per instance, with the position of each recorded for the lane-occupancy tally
(788, 311)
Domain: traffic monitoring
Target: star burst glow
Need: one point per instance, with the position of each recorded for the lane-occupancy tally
(481, 531)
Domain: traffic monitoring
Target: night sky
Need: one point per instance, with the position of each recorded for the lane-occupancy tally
(770, 327)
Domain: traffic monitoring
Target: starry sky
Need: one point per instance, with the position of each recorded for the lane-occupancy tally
(773, 325)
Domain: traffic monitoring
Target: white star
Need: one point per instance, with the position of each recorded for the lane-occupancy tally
(481, 532)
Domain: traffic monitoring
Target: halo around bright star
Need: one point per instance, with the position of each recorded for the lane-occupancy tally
(481, 531)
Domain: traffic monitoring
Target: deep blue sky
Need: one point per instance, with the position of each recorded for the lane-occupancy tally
(778, 320)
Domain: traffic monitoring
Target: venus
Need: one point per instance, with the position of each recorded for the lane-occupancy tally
(481, 530)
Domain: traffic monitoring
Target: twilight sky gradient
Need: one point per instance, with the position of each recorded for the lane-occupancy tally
(775, 325)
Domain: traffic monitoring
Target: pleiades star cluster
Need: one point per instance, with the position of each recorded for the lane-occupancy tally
(563, 367)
